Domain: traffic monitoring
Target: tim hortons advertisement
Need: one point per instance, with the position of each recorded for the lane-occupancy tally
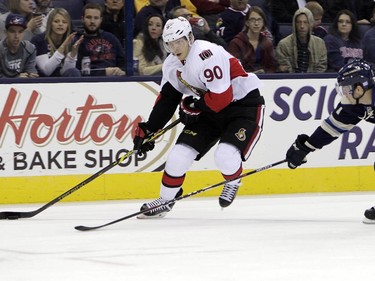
(79, 128)
(55, 129)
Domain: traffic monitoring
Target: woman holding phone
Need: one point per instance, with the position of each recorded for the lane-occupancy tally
(26, 9)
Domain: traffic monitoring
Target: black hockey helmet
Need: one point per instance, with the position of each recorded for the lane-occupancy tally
(356, 72)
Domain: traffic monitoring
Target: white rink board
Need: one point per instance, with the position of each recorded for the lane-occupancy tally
(78, 128)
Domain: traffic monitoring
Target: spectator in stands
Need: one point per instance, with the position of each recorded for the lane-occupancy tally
(211, 9)
(113, 19)
(4, 6)
(361, 9)
(283, 10)
(17, 56)
(100, 52)
(149, 48)
(232, 20)
(55, 55)
(372, 17)
(301, 51)
(252, 47)
(101, 2)
(43, 7)
(154, 7)
(368, 42)
(343, 41)
(201, 32)
(26, 9)
(318, 12)
(272, 25)
(139, 4)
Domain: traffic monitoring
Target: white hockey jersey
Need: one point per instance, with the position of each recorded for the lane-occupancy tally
(211, 73)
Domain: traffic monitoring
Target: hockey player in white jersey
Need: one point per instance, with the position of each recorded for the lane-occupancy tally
(355, 82)
(218, 103)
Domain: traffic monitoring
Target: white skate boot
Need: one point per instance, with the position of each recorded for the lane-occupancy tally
(157, 212)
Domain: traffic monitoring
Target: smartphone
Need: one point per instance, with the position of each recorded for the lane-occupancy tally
(36, 15)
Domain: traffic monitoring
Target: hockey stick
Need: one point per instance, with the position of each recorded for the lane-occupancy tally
(86, 228)
(18, 215)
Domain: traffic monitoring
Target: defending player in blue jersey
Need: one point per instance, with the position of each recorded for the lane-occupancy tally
(222, 104)
(355, 82)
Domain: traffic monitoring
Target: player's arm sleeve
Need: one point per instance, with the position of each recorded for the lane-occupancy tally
(341, 120)
(217, 78)
(164, 107)
(320, 138)
(215, 102)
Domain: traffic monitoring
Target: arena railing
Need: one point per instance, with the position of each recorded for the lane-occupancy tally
(146, 78)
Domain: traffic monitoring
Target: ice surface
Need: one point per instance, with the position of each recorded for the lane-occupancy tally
(262, 238)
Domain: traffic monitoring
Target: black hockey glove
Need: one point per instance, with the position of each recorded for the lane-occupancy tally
(141, 134)
(189, 113)
(296, 154)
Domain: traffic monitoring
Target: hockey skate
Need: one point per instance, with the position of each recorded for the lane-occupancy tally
(228, 194)
(369, 216)
(159, 212)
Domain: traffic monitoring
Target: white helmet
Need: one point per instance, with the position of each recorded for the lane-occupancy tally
(177, 28)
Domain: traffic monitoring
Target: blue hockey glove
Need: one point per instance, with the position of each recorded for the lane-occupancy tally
(296, 154)
(189, 113)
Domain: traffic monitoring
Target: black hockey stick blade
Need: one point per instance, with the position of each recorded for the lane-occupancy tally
(86, 228)
(22, 215)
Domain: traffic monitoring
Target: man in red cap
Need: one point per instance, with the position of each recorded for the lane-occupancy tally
(17, 56)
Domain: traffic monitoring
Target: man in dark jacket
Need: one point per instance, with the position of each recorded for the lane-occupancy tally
(100, 53)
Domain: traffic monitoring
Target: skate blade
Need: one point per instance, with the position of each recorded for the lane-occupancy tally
(158, 216)
(368, 221)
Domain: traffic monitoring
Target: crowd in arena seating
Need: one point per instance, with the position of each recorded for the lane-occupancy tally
(88, 37)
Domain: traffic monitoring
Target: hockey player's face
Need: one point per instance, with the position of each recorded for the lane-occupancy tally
(179, 47)
(358, 91)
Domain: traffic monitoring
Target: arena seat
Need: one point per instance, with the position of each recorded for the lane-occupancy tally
(285, 29)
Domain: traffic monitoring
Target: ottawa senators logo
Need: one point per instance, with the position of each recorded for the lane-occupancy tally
(241, 134)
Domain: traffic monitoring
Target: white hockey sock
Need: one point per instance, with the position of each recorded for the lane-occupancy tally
(228, 159)
(178, 163)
